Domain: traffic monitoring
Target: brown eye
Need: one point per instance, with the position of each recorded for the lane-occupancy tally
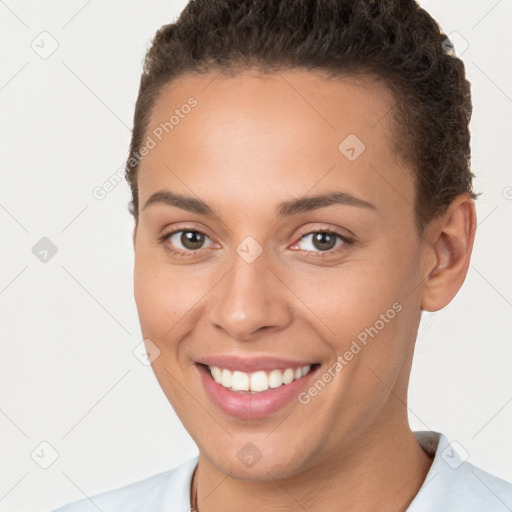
(192, 240)
(322, 241)
(184, 241)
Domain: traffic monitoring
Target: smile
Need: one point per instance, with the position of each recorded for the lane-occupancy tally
(258, 392)
(256, 382)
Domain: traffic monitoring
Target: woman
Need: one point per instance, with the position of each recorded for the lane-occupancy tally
(301, 193)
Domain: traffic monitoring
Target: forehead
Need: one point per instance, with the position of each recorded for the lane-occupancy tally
(288, 131)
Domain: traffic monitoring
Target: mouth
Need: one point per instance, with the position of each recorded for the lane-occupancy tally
(257, 394)
(259, 381)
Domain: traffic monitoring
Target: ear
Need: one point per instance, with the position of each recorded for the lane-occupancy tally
(449, 244)
(134, 235)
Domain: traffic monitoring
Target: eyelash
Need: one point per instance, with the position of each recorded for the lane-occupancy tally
(346, 242)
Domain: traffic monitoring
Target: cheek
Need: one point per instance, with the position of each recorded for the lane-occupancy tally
(366, 300)
(383, 318)
(166, 296)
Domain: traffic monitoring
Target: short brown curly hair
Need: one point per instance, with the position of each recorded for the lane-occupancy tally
(394, 41)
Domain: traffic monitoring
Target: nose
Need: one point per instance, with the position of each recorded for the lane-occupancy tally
(250, 300)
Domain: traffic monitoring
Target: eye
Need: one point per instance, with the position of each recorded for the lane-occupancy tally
(323, 241)
(190, 239)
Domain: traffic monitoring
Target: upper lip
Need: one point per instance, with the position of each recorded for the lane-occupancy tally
(251, 364)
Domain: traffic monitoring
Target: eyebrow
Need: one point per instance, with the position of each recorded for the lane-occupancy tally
(284, 209)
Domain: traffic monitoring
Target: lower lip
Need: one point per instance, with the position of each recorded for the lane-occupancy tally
(252, 405)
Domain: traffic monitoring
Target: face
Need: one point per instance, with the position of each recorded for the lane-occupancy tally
(261, 277)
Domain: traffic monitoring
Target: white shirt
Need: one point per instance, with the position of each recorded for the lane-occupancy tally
(451, 485)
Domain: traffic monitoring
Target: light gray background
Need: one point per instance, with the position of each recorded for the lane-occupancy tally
(68, 326)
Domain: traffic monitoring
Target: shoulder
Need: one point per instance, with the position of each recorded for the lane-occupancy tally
(157, 493)
(455, 485)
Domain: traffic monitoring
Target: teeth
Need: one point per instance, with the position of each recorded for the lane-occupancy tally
(259, 381)
(216, 373)
(225, 378)
(256, 382)
(288, 376)
(275, 379)
(239, 381)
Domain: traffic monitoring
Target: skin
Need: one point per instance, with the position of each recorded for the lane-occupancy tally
(252, 142)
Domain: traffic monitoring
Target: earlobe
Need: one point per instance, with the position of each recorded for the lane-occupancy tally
(451, 242)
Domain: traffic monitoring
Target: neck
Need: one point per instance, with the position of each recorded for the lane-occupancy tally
(382, 472)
